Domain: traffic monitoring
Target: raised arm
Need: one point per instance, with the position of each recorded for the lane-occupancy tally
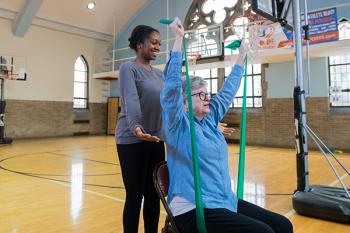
(171, 96)
(221, 102)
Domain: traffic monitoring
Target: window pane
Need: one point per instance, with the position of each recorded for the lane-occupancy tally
(218, 7)
(249, 86)
(227, 71)
(237, 102)
(208, 84)
(240, 91)
(214, 84)
(331, 60)
(80, 103)
(256, 68)
(79, 90)
(214, 73)
(257, 85)
(203, 73)
(80, 76)
(249, 69)
(249, 102)
(258, 102)
(348, 59)
(79, 64)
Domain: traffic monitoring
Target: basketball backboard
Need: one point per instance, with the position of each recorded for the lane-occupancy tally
(275, 10)
(13, 67)
(205, 42)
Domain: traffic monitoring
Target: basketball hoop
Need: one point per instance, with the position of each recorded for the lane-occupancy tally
(12, 77)
(247, 31)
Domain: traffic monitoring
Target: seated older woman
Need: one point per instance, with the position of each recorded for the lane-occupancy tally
(223, 211)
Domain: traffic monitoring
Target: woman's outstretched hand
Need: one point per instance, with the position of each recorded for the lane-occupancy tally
(145, 136)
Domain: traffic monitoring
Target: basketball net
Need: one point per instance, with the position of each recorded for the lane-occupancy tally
(258, 34)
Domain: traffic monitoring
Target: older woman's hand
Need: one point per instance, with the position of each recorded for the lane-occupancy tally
(177, 28)
(243, 49)
(225, 130)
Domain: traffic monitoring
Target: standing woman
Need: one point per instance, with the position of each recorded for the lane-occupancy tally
(139, 130)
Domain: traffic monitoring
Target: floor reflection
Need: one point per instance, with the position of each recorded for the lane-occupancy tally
(76, 189)
(253, 192)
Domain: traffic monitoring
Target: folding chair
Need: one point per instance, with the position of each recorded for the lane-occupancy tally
(161, 183)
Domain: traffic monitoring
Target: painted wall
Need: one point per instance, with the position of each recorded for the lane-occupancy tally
(280, 78)
(42, 106)
(50, 57)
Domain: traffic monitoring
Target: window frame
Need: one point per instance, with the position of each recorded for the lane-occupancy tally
(330, 82)
(86, 71)
(253, 97)
(209, 80)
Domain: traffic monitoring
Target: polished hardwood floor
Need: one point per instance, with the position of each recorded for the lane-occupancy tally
(73, 184)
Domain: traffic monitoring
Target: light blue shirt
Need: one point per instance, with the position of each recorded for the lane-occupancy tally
(212, 148)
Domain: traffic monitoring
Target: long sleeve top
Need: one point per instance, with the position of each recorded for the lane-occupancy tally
(212, 148)
(140, 90)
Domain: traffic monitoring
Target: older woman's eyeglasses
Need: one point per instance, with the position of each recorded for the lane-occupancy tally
(203, 95)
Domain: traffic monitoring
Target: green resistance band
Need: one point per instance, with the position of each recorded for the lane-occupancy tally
(199, 202)
(240, 183)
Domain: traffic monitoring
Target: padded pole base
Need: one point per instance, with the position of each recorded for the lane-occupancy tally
(323, 202)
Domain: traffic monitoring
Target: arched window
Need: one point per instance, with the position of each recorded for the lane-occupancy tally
(208, 12)
(81, 74)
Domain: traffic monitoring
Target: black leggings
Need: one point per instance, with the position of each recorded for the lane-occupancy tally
(249, 219)
(137, 162)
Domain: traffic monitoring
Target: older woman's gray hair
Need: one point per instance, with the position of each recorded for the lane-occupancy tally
(196, 82)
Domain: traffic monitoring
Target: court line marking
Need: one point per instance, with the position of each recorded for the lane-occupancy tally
(292, 211)
(98, 194)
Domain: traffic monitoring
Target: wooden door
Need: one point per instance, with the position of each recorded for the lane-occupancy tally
(113, 112)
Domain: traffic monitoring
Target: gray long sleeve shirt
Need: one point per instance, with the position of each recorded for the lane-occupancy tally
(140, 97)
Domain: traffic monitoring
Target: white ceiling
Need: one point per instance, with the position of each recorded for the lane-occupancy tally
(75, 13)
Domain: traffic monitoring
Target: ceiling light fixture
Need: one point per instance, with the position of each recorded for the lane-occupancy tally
(91, 5)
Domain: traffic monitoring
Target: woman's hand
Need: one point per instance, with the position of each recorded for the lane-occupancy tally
(243, 49)
(225, 130)
(145, 136)
(177, 28)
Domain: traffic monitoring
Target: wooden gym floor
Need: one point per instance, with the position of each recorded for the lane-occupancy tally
(73, 184)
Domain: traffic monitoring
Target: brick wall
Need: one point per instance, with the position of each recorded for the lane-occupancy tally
(28, 119)
(273, 124)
